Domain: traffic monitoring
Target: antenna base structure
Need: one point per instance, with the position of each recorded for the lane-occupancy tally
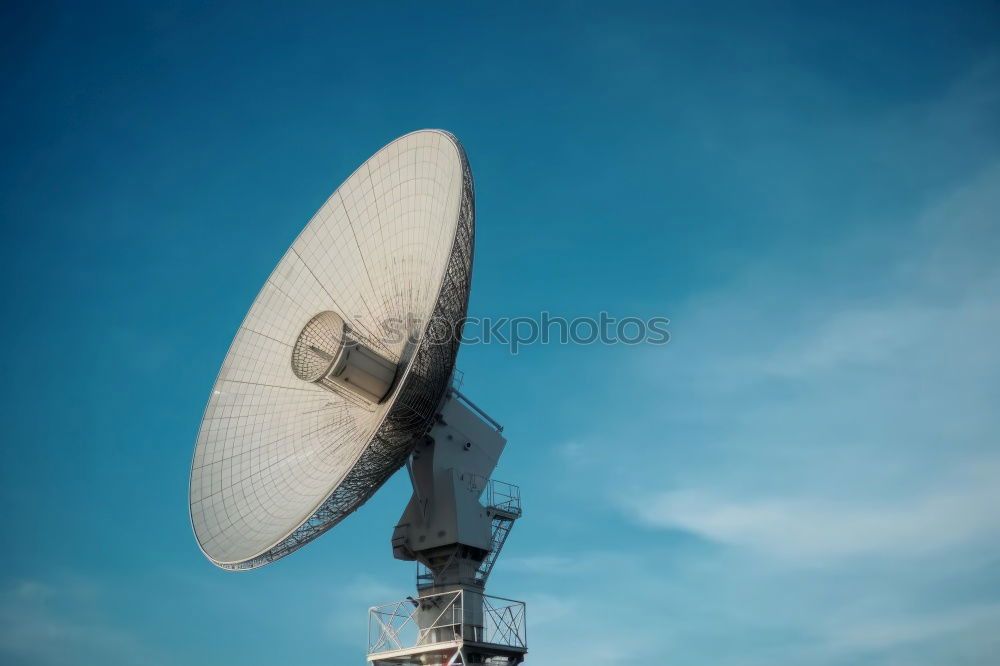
(341, 373)
(455, 539)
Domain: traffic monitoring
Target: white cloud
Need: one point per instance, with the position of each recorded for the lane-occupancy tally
(809, 530)
(372, 591)
(879, 633)
(835, 449)
(351, 602)
(60, 624)
(881, 440)
(544, 564)
(547, 609)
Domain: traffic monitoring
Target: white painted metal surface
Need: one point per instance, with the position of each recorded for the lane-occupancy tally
(280, 457)
(434, 629)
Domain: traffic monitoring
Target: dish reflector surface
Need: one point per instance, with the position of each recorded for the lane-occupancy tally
(282, 456)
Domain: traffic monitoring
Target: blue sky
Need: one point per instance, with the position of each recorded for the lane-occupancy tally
(806, 474)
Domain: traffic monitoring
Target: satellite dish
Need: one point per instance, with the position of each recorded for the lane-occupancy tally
(342, 359)
(340, 374)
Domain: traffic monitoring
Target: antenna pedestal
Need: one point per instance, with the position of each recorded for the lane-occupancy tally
(454, 538)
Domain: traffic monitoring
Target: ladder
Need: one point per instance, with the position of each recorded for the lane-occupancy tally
(503, 521)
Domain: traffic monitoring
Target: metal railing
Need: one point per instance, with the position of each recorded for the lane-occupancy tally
(497, 494)
(504, 622)
(452, 617)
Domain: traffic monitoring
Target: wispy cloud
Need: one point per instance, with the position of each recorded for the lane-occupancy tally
(60, 623)
(879, 633)
(807, 530)
(833, 447)
(347, 620)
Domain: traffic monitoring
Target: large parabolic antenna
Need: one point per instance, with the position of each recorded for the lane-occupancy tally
(280, 460)
(342, 373)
